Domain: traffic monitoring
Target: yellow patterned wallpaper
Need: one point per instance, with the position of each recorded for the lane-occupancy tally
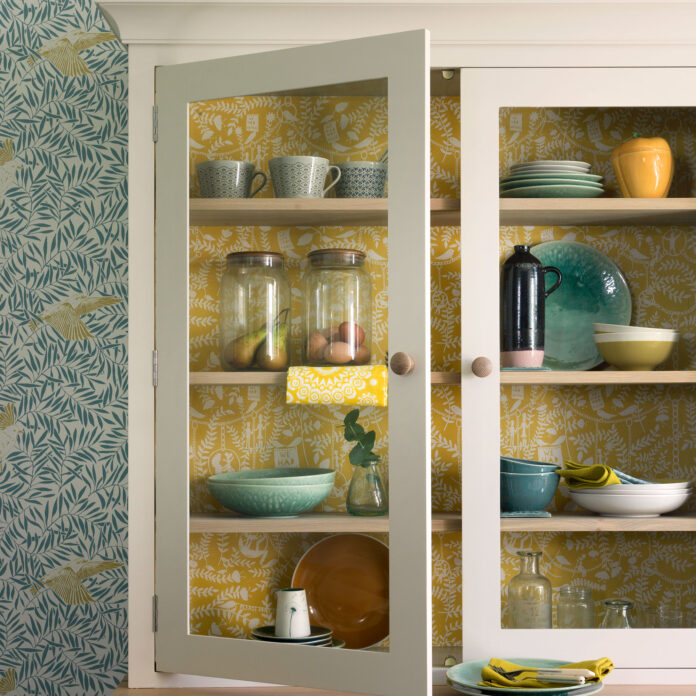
(235, 427)
(644, 430)
(240, 427)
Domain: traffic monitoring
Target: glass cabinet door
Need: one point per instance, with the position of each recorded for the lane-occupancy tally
(577, 407)
(252, 282)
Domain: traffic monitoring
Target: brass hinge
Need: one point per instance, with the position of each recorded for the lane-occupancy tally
(154, 124)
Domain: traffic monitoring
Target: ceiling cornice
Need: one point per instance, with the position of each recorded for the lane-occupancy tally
(456, 23)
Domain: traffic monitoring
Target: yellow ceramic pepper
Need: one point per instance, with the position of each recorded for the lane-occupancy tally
(643, 167)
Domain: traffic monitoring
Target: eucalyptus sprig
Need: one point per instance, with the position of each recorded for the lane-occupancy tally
(361, 454)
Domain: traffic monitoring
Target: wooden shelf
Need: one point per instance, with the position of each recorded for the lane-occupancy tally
(279, 378)
(582, 522)
(317, 522)
(599, 377)
(509, 377)
(312, 212)
(598, 211)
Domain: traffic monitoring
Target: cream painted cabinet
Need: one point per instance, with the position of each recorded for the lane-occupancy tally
(607, 417)
(490, 84)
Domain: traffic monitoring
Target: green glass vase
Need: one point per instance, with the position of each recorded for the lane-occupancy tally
(367, 496)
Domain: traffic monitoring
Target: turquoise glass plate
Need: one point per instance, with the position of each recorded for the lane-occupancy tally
(553, 191)
(557, 176)
(465, 678)
(593, 286)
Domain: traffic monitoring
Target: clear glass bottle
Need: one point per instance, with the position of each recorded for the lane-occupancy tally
(617, 614)
(575, 608)
(255, 312)
(529, 594)
(366, 494)
(337, 308)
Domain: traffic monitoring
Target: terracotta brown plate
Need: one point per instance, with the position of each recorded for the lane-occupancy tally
(346, 578)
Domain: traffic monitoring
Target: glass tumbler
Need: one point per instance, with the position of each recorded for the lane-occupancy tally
(255, 312)
(575, 608)
(337, 308)
(617, 614)
(529, 594)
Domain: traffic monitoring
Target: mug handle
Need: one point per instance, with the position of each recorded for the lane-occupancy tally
(335, 181)
(263, 183)
(557, 272)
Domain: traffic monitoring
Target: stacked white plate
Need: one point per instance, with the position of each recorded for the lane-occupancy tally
(551, 179)
(633, 499)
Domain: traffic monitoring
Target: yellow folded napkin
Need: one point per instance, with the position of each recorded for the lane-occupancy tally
(527, 680)
(364, 385)
(594, 476)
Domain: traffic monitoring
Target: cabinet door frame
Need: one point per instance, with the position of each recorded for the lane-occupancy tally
(484, 92)
(406, 668)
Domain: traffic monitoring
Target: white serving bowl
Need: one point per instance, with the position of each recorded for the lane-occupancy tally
(634, 494)
(629, 505)
(638, 489)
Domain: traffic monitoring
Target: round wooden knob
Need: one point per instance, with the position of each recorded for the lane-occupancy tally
(402, 363)
(482, 367)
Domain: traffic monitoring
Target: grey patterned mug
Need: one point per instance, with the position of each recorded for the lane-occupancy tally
(300, 176)
(228, 179)
(361, 180)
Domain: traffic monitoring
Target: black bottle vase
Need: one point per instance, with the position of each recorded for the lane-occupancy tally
(522, 296)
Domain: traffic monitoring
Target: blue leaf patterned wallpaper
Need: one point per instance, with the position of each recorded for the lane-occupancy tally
(63, 331)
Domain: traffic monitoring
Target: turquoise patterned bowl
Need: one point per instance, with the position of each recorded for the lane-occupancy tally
(282, 476)
(259, 500)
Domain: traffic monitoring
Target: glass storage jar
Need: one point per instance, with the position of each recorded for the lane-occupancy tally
(529, 594)
(337, 308)
(617, 614)
(575, 608)
(255, 312)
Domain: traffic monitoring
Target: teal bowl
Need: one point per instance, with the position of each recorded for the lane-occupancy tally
(268, 501)
(527, 492)
(525, 466)
(283, 476)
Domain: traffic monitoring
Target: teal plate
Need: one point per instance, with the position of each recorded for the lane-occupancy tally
(593, 286)
(553, 191)
(549, 182)
(558, 176)
(465, 678)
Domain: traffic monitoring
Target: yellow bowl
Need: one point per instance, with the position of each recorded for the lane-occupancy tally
(633, 352)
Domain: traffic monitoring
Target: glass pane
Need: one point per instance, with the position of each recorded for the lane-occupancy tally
(642, 430)
(284, 307)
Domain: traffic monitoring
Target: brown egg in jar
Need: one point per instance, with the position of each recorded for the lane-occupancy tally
(362, 355)
(316, 345)
(338, 353)
(330, 333)
(351, 333)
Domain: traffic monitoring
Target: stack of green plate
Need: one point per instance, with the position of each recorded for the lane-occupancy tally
(551, 179)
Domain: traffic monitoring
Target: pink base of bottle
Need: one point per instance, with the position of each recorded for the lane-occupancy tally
(522, 358)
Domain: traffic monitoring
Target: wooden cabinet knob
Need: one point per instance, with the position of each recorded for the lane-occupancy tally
(482, 367)
(402, 363)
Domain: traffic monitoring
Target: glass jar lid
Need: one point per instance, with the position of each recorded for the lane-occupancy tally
(336, 257)
(270, 259)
